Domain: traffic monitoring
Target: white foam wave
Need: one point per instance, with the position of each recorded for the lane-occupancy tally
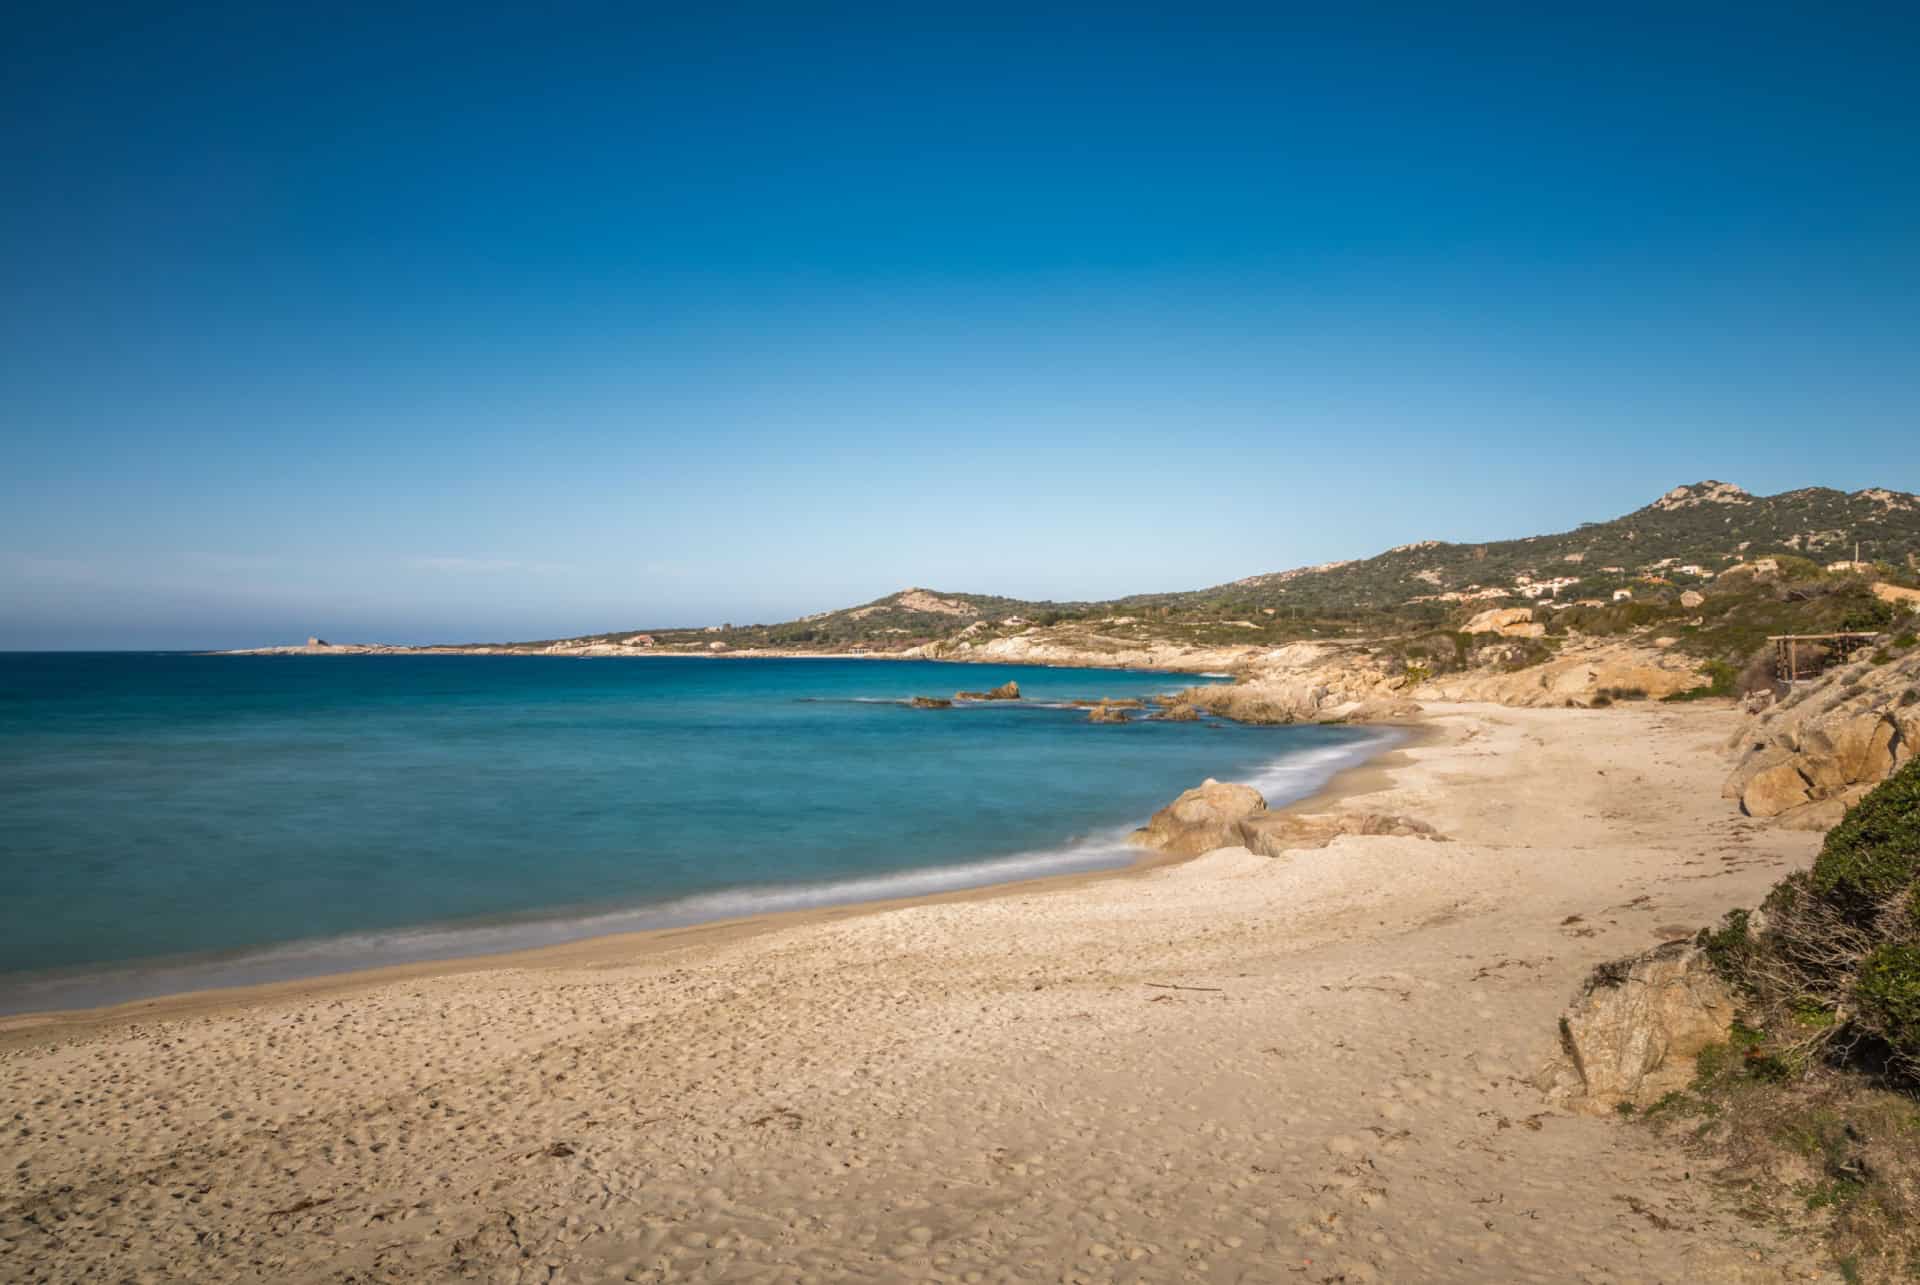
(1295, 776)
(1107, 849)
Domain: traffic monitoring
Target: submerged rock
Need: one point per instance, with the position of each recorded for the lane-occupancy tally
(1202, 819)
(930, 702)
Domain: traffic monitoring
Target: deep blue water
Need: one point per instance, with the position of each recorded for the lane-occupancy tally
(188, 820)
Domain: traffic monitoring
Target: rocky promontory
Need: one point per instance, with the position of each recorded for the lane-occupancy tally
(1806, 758)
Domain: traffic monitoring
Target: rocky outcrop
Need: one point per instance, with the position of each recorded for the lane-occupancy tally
(1008, 691)
(1354, 683)
(1777, 787)
(930, 702)
(1110, 711)
(1580, 672)
(1217, 815)
(1038, 645)
(1508, 622)
(1637, 1026)
(1805, 759)
(1357, 682)
(1311, 682)
(1708, 492)
(1272, 833)
(1202, 819)
(1179, 712)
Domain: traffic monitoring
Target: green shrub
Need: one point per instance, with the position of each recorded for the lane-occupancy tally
(1821, 1069)
(1785, 897)
(1729, 946)
(1888, 995)
(1869, 616)
(1620, 694)
(1798, 568)
(1875, 850)
(1722, 680)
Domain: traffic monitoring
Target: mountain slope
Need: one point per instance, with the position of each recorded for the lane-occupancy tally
(1687, 539)
(1709, 525)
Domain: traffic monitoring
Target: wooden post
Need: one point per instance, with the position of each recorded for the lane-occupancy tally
(1793, 661)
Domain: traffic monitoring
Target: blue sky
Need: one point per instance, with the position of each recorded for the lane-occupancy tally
(447, 322)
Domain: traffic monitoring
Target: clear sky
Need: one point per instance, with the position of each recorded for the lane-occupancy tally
(422, 322)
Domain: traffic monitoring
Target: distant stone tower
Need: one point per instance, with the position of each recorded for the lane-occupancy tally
(316, 642)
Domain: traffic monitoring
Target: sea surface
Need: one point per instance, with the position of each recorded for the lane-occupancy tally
(171, 821)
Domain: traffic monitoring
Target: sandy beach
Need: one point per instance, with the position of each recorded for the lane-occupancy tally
(1315, 1067)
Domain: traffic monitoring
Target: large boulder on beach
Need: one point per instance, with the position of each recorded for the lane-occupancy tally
(1638, 1025)
(1202, 819)
(1775, 789)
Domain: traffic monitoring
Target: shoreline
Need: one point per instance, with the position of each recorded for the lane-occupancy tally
(1223, 1068)
(1368, 773)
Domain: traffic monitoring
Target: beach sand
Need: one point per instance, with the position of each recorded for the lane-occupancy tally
(1237, 1068)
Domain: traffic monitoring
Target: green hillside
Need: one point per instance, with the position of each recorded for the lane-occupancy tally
(1628, 574)
(1711, 525)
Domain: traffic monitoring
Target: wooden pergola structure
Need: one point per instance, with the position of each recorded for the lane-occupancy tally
(1797, 657)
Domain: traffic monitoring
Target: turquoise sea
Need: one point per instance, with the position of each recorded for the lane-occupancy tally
(173, 821)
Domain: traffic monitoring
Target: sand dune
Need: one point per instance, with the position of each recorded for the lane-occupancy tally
(1239, 1068)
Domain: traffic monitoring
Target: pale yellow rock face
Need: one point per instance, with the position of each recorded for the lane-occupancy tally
(1508, 622)
(1824, 746)
(1775, 790)
(1863, 748)
(1637, 1029)
(1273, 834)
(1204, 818)
(1578, 673)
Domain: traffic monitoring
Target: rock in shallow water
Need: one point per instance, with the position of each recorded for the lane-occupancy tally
(1008, 691)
